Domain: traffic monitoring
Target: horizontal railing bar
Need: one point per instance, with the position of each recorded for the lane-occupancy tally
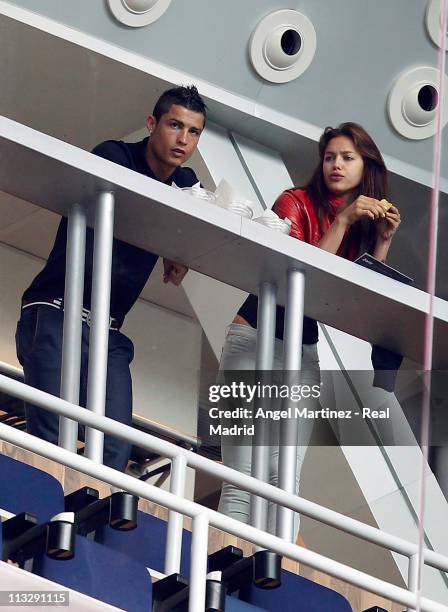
(167, 449)
(164, 430)
(217, 520)
(11, 370)
(16, 372)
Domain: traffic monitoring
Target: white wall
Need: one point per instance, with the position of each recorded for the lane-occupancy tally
(166, 365)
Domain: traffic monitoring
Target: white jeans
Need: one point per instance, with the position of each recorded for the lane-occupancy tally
(239, 354)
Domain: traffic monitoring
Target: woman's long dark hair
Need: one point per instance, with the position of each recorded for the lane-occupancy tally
(374, 177)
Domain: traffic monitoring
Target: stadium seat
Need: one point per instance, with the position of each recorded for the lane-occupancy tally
(296, 594)
(146, 543)
(101, 568)
(27, 489)
(236, 605)
(101, 573)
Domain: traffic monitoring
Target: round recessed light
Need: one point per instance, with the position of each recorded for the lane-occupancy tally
(414, 102)
(138, 13)
(282, 46)
(435, 22)
(139, 6)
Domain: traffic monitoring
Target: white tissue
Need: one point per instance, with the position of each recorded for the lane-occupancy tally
(228, 197)
(224, 193)
(197, 192)
(271, 220)
(225, 196)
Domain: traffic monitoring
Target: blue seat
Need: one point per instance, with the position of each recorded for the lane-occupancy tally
(146, 543)
(101, 573)
(236, 605)
(27, 489)
(296, 594)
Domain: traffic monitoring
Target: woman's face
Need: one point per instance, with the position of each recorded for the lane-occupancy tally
(342, 166)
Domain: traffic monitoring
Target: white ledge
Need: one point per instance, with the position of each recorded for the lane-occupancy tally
(218, 243)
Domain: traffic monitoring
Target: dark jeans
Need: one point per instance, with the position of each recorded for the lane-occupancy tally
(39, 350)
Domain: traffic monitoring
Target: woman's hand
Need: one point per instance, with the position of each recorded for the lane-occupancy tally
(388, 225)
(385, 230)
(361, 208)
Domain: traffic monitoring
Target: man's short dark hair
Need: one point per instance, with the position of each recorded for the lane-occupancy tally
(188, 97)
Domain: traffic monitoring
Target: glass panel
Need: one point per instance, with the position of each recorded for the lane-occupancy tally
(434, 400)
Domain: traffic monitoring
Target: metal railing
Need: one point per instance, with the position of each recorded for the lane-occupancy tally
(141, 422)
(203, 517)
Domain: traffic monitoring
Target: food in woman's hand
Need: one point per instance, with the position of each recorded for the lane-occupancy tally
(387, 205)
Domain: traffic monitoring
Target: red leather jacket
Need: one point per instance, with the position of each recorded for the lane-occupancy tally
(300, 210)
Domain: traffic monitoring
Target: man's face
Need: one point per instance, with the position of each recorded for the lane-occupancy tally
(175, 136)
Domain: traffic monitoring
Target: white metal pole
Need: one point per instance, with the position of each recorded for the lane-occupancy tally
(99, 329)
(264, 364)
(267, 301)
(72, 334)
(292, 361)
(173, 547)
(413, 571)
(198, 563)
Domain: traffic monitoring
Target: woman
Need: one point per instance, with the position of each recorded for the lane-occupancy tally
(338, 210)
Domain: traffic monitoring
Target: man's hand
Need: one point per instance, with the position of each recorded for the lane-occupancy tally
(173, 272)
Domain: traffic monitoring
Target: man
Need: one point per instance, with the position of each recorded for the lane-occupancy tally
(174, 129)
